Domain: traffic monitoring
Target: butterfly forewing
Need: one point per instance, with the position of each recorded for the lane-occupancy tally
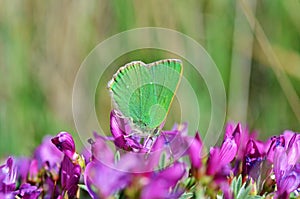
(145, 92)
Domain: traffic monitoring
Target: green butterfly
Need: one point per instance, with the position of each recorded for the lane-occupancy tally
(144, 92)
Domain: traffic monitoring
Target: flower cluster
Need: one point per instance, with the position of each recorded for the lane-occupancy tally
(163, 164)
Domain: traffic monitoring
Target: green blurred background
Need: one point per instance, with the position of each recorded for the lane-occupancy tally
(43, 43)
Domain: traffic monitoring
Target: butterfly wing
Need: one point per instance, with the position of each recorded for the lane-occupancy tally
(145, 92)
(166, 75)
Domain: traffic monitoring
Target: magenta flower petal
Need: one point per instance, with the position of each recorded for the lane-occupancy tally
(102, 152)
(234, 131)
(225, 187)
(220, 157)
(289, 137)
(164, 182)
(213, 165)
(293, 148)
(103, 181)
(33, 170)
(275, 142)
(120, 130)
(138, 163)
(117, 125)
(23, 164)
(162, 190)
(280, 162)
(228, 151)
(176, 140)
(50, 188)
(252, 160)
(287, 175)
(173, 173)
(8, 175)
(47, 152)
(65, 143)
(87, 155)
(27, 191)
(70, 174)
(241, 136)
(289, 182)
(195, 150)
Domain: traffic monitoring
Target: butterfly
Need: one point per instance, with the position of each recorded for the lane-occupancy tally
(144, 92)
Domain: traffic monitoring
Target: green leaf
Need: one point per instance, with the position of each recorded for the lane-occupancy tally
(82, 186)
(117, 156)
(200, 193)
(242, 190)
(187, 196)
(162, 161)
(219, 196)
(238, 185)
(255, 197)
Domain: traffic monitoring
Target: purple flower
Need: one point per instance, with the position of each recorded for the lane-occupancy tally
(146, 157)
(287, 175)
(103, 176)
(162, 184)
(69, 174)
(195, 150)
(121, 130)
(47, 152)
(65, 143)
(50, 188)
(8, 175)
(275, 142)
(33, 171)
(252, 159)
(234, 131)
(172, 142)
(240, 135)
(23, 164)
(47, 175)
(7, 195)
(26, 191)
(103, 181)
(100, 177)
(176, 140)
(293, 147)
(288, 183)
(290, 141)
(86, 155)
(70, 169)
(284, 154)
(101, 151)
(220, 157)
(225, 187)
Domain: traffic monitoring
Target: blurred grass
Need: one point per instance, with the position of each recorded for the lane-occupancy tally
(42, 45)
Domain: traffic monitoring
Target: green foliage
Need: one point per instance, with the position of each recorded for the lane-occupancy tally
(163, 160)
(117, 157)
(187, 196)
(242, 190)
